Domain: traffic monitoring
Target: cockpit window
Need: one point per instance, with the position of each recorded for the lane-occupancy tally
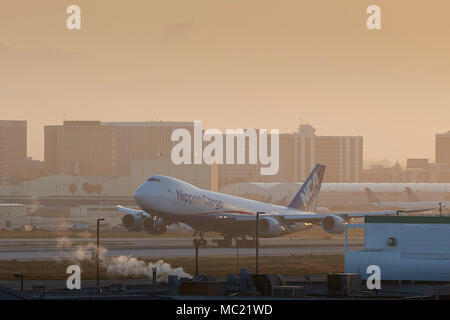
(153, 179)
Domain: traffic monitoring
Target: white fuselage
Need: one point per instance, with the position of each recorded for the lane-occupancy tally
(177, 201)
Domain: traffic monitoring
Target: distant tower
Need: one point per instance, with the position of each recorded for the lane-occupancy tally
(307, 130)
(76, 169)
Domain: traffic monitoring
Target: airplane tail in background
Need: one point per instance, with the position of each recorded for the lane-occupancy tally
(283, 201)
(371, 196)
(411, 195)
(309, 191)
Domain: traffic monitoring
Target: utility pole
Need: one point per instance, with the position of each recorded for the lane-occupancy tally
(97, 255)
(19, 275)
(257, 239)
(237, 253)
(441, 206)
(196, 244)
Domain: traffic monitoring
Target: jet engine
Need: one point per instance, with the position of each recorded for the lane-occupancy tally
(334, 224)
(154, 225)
(132, 222)
(270, 227)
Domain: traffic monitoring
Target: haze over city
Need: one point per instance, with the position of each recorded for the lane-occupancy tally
(224, 157)
(253, 65)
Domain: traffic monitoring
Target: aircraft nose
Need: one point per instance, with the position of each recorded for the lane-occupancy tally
(139, 196)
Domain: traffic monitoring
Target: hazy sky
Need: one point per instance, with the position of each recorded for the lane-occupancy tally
(232, 64)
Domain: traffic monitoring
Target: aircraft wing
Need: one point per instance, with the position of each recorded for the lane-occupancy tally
(312, 217)
(132, 211)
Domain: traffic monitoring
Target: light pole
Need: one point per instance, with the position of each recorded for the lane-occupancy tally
(19, 275)
(197, 242)
(98, 248)
(237, 253)
(257, 239)
(441, 206)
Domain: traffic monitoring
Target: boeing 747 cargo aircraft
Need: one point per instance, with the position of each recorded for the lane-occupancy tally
(166, 200)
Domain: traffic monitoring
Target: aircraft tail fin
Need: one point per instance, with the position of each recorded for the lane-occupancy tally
(309, 191)
(371, 196)
(283, 201)
(411, 195)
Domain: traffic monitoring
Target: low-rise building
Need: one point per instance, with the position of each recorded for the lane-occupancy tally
(413, 248)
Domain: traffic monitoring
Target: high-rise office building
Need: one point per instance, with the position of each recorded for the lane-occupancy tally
(80, 147)
(343, 155)
(108, 148)
(443, 148)
(299, 152)
(13, 151)
(94, 148)
(134, 139)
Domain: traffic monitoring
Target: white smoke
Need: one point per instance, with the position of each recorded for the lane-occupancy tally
(131, 266)
(122, 265)
(89, 252)
(63, 242)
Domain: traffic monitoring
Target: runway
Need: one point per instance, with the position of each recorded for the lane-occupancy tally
(148, 248)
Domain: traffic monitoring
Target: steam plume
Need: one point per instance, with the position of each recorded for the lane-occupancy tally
(125, 265)
(122, 265)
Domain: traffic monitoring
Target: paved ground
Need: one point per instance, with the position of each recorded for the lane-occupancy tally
(49, 249)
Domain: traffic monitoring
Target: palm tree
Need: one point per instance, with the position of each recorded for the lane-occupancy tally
(73, 188)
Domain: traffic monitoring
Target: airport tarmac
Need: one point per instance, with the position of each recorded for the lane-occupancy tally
(50, 249)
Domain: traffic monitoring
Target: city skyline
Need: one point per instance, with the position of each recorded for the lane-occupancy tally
(224, 150)
(367, 160)
(230, 67)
